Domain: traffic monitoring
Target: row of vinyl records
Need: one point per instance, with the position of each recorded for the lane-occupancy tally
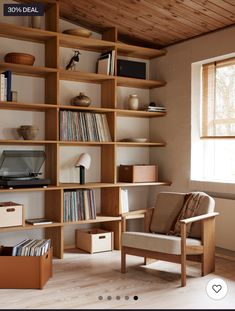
(84, 126)
(27, 247)
(79, 205)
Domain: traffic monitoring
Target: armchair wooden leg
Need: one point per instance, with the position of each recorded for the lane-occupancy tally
(183, 270)
(208, 256)
(183, 255)
(123, 260)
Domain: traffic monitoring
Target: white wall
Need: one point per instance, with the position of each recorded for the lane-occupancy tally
(175, 128)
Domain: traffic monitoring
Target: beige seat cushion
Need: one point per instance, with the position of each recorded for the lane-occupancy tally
(155, 242)
(168, 205)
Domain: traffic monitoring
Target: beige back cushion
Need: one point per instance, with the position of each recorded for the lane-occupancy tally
(167, 207)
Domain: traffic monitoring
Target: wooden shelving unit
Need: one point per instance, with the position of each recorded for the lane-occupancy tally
(109, 186)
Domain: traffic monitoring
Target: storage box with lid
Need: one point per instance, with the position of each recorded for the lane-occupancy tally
(25, 271)
(11, 214)
(94, 240)
(138, 173)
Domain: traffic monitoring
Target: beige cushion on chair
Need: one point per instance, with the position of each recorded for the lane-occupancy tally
(155, 242)
(167, 207)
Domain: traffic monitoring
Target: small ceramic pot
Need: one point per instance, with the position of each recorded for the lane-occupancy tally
(81, 100)
(28, 132)
(133, 102)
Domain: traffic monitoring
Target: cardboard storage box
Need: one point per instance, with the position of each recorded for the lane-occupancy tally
(138, 173)
(94, 240)
(25, 271)
(11, 214)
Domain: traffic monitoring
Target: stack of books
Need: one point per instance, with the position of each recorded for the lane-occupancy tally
(156, 109)
(84, 126)
(5, 86)
(79, 205)
(106, 63)
(31, 247)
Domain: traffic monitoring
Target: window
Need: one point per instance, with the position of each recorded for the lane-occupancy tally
(218, 98)
(213, 121)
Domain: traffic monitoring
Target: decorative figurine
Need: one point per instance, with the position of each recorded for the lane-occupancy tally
(74, 59)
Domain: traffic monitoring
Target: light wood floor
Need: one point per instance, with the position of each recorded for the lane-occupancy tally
(80, 279)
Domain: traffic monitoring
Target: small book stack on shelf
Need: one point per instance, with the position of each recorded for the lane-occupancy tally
(84, 126)
(5, 86)
(28, 247)
(39, 221)
(154, 108)
(106, 63)
(79, 205)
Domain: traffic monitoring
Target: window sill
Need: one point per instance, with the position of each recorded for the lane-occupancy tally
(212, 186)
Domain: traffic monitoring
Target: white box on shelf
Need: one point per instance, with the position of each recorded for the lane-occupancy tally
(11, 214)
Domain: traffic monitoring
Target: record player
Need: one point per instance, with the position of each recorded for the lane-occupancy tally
(20, 168)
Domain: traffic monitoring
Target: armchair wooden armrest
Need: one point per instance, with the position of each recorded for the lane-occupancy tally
(133, 215)
(198, 218)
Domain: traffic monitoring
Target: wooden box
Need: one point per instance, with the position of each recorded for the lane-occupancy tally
(25, 271)
(11, 214)
(138, 173)
(94, 240)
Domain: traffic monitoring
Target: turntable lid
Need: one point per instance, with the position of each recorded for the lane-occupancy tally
(18, 163)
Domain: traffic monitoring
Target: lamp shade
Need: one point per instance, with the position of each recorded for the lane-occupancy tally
(84, 160)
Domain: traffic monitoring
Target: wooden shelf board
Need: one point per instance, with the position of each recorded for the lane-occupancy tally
(89, 44)
(139, 113)
(124, 184)
(30, 227)
(134, 144)
(85, 143)
(26, 142)
(26, 106)
(139, 83)
(138, 51)
(88, 109)
(29, 189)
(97, 220)
(26, 70)
(67, 186)
(135, 216)
(74, 75)
(25, 33)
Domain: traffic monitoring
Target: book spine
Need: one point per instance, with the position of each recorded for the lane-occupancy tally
(8, 76)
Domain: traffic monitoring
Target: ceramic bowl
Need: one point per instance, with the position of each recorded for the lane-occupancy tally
(28, 132)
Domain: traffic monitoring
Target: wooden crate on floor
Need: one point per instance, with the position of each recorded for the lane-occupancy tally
(25, 271)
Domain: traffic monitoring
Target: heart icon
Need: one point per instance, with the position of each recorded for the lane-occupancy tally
(217, 288)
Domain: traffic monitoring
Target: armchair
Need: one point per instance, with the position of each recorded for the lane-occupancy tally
(156, 243)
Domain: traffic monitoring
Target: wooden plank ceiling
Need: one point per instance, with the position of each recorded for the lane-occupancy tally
(154, 23)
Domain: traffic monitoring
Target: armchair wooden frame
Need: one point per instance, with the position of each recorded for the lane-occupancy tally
(204, 253)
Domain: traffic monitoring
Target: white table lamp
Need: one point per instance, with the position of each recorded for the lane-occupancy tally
(84, 161)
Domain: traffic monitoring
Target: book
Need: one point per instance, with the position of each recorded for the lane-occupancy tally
(124, 201)
(39, 221)
(104, 65)
(8, 76)
(2, 88)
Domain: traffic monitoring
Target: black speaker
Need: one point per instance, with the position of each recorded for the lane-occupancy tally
(131, 69)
